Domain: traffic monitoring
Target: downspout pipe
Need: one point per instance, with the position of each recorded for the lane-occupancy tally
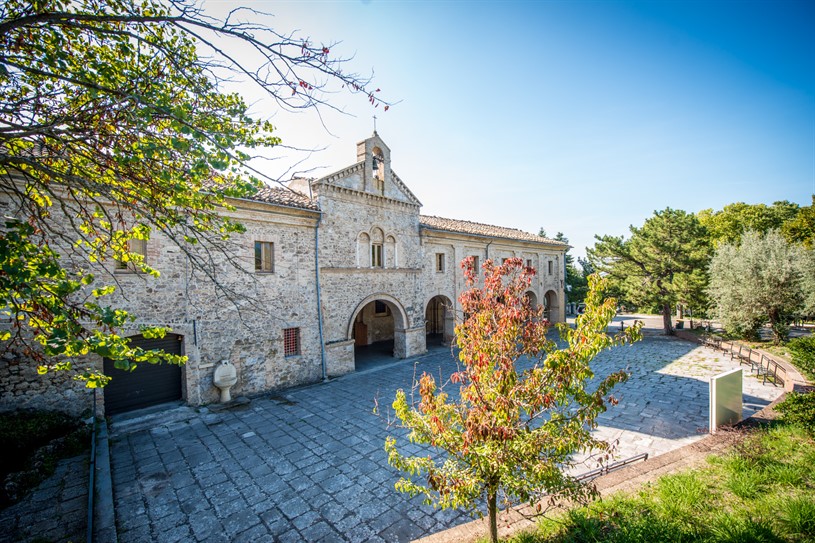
(319, 299)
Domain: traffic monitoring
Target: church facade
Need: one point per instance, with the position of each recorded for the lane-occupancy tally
(331, 268)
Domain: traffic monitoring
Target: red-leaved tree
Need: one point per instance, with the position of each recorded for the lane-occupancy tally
(523, 406)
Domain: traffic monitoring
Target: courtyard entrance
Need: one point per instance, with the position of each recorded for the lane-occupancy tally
(373, 333)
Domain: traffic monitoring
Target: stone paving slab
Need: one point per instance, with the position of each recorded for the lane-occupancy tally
(55, 511)
(309, 464)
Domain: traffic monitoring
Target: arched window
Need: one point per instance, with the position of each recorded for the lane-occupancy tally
(377, 241)
(364, 250)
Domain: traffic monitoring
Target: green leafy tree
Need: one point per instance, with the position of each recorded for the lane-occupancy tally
(659, 260)
(568, 259)
(113, 126)
(801, 228)
(734, 220)
(757, 281)
(808, 282)
(509, 432)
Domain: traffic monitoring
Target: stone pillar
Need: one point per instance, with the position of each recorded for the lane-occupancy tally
(414, 342)
(449, 326)
(339, 357)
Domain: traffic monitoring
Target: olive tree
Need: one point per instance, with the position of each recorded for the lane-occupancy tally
(759, 281)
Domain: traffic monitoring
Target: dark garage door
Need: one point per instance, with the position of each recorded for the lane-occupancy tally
(148, 384)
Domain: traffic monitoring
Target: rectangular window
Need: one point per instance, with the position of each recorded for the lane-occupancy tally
(376, 255)
(135, 246)
(476, 264)
(381, 308)
(291, 341)
(264, 256)
(440, 262)
(528, 262)
(550, 267)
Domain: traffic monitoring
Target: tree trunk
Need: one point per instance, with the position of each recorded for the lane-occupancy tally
(667, 322)
(493, 512)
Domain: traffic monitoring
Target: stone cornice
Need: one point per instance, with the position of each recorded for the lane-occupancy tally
(331, 179)
(367, 271)
(404, 188)
(371, 197)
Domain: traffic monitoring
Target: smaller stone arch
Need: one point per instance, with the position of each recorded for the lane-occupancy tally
(551, 309)
(440, 320)
(532, 297)
(378, 168)
(377, 247)
(363, 250)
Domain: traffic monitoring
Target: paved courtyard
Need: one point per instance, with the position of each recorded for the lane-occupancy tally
(309, 464)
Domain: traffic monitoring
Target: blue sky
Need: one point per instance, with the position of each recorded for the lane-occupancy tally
(582, 117)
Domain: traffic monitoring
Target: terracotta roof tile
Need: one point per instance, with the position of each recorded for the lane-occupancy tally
(285, 197)
(480, 229)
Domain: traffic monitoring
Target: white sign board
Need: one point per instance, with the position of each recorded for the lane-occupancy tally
(725, 399)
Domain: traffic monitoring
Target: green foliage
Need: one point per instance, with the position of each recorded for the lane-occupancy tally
(803, 354)
(755, 282)
(735, 220)
(52, 307)
(661, 264)
(509, 431)
(799, 408)
(114, 128)
(801, 228)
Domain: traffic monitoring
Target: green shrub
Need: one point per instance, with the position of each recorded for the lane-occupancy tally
(799, 409)
(803, 354)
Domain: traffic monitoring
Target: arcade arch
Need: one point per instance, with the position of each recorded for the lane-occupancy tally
(377, 327)
(440, 321)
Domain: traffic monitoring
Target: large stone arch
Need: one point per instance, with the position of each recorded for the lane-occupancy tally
(532, 297)
(400, 321)
(440, 320)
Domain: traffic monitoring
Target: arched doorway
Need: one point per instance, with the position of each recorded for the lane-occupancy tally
(532, 297)
(378, 331)
(551, 310)
(439, 321)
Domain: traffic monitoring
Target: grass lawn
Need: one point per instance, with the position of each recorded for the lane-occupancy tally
(763, 491)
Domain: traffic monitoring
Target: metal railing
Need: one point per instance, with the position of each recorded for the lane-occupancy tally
(611, 467)
(762, 365)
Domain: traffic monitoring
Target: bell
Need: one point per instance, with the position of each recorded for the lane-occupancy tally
(376, 164)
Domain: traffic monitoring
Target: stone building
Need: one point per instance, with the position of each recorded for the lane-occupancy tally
(332, 268)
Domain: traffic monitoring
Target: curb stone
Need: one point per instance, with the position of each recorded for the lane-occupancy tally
(104, 519)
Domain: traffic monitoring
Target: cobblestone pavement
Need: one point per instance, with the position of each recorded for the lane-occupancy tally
(55, 511)
(309, 464)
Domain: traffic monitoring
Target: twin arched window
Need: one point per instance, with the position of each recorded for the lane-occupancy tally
(375, 250)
